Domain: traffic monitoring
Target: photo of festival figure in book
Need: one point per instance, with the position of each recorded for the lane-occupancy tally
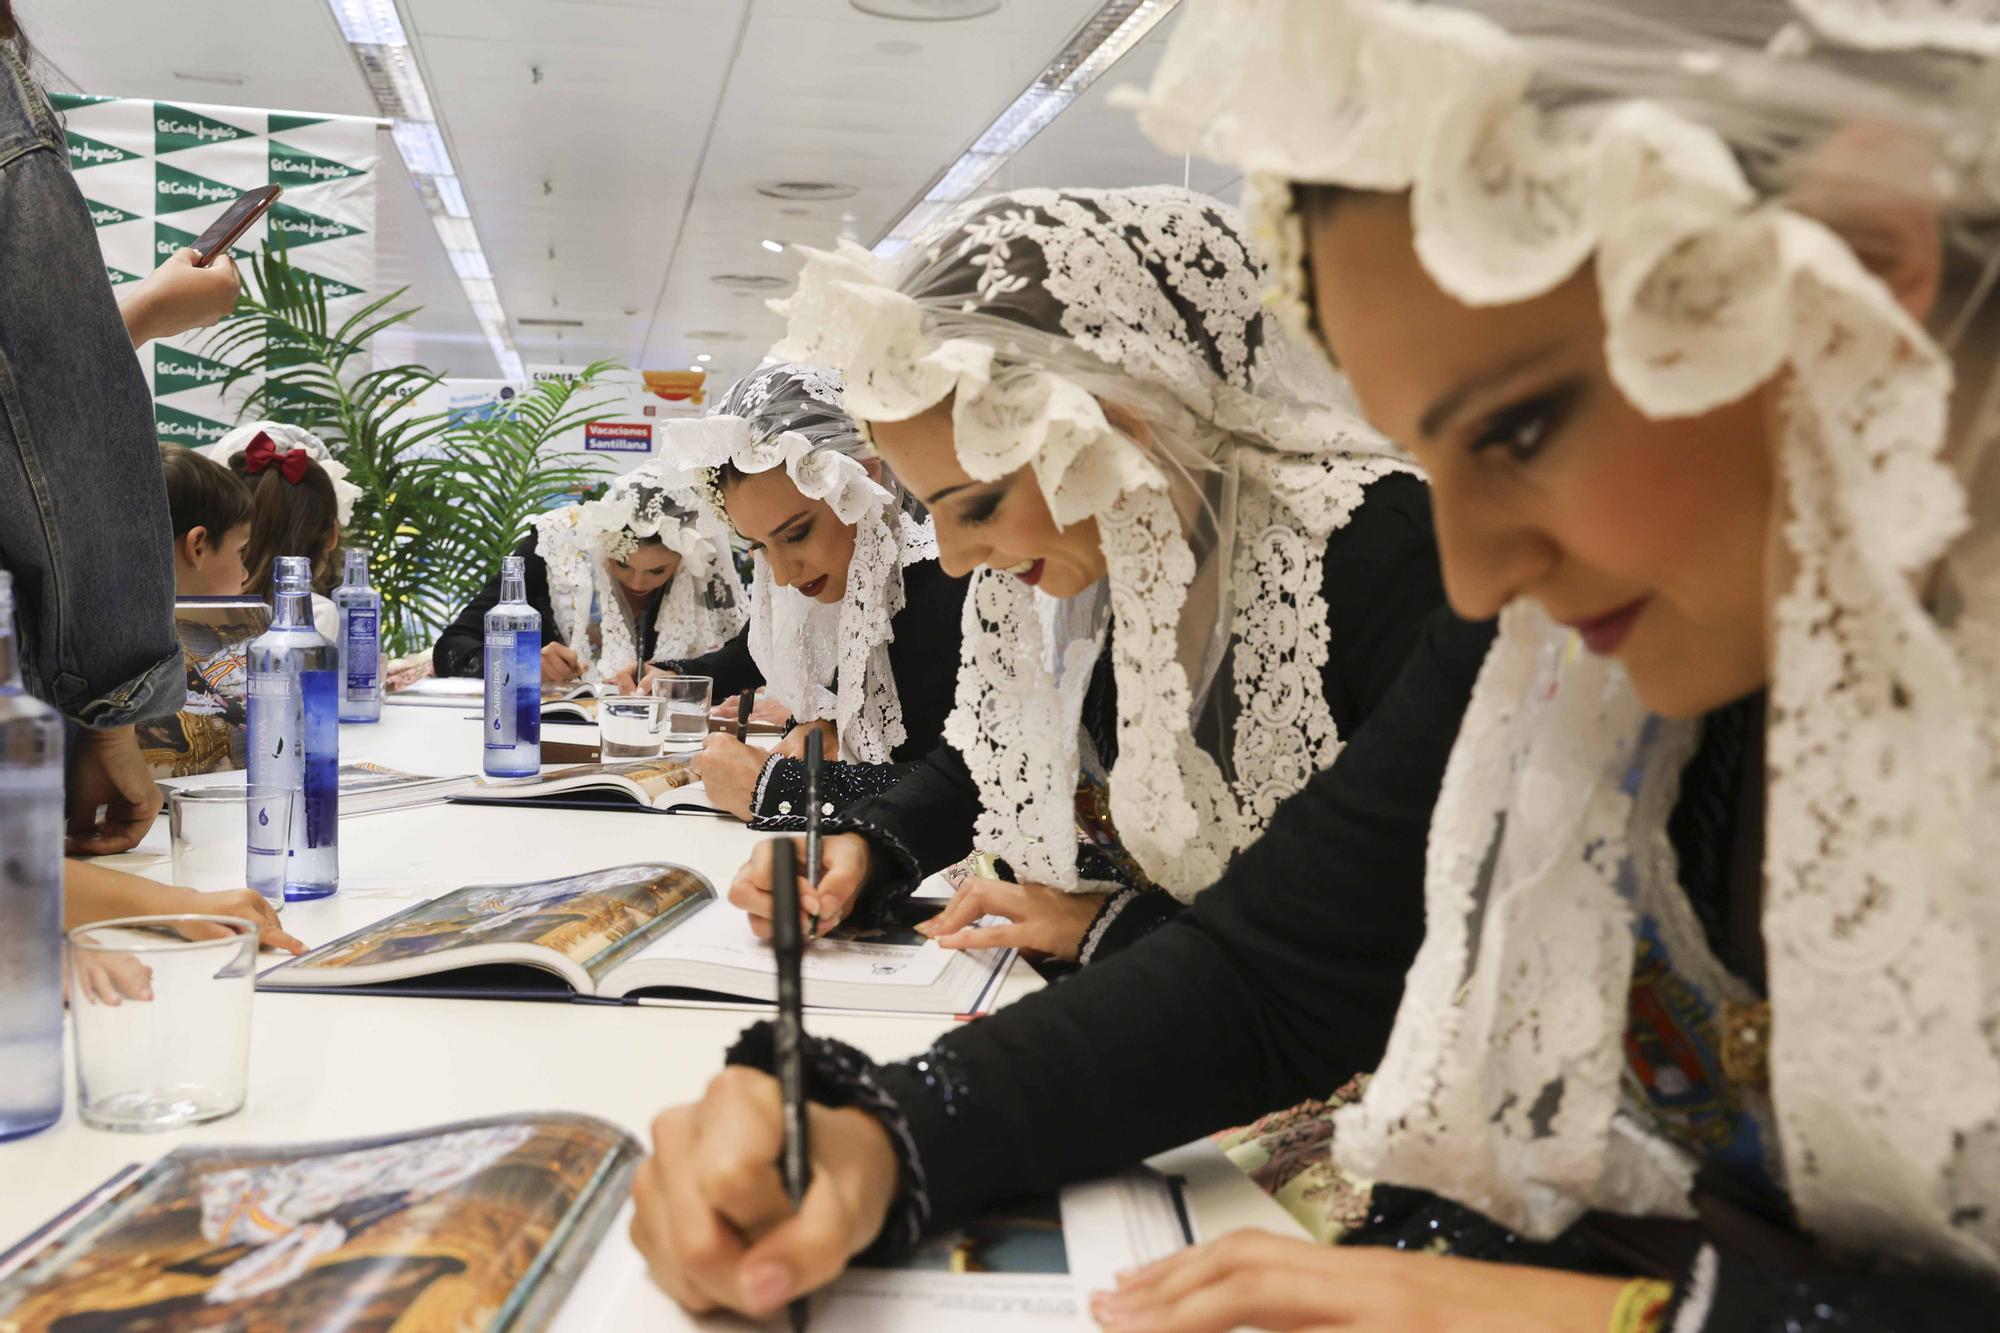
(207, 734)
(592, 919)
(481, 1224)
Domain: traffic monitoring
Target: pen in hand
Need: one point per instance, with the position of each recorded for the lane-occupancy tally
(789, 944)
(815, 757)
(743, 704)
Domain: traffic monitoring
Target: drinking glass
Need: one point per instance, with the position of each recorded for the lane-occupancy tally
(686, 699)
(210, 832)
(631, 726)
(161, 1021)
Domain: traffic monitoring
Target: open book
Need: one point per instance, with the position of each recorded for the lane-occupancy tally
(624, 783)
(559, 702)
(655, 930)
(334, 1236)
(207, 734)
(404, 1231)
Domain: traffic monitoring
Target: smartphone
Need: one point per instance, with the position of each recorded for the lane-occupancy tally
(235, 220)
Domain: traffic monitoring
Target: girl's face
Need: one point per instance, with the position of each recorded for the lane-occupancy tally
(1646, 536)
(806, 546)
(204, 567)
(646, 568)
(1002, 524)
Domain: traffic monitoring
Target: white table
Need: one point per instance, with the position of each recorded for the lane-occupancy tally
(330, 1067)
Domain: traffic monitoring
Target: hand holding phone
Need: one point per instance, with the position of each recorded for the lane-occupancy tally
(238, 218)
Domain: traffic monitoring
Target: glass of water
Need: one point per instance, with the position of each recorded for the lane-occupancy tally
(161, 1021)
(686, 699)
(229, 836)
(631, 726)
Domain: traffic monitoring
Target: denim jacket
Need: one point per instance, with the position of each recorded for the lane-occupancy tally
(83, 501)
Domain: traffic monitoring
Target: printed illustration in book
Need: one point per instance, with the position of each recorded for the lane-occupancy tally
(614, 933)
(482, 1224)
(208, 734)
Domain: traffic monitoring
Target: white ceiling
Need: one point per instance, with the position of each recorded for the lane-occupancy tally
(610, 149)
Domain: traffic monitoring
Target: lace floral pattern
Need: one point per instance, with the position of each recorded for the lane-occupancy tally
(820, 661)
(1501, 1083)
(701, 609)
(1159, 309)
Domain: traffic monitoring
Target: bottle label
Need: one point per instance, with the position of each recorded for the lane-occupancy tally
(361, 643)
(319, 699)
(277, 730)
(502, 718)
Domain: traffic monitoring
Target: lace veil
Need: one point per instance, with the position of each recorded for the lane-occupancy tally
(652, 503)
(821, 661)
(1033, 312)
(1662, 145)
(345, 492)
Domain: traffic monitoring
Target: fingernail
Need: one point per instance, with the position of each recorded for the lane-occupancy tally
(769, 1284)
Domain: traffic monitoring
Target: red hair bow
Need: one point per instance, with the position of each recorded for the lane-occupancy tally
(262, 453)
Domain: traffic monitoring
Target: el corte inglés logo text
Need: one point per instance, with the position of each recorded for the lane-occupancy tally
(200, 190)
(312, 227)
(91, 154)
(103, 215)
(192, 368)
(313, 168)
(195, 130)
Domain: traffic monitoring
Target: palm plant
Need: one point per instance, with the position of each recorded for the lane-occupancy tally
(441, 500)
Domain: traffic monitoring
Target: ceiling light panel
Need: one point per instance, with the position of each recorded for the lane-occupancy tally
(381, 44)
(1112, 29)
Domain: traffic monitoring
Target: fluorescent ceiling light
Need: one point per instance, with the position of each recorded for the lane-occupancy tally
(374, 29)
(1114, 28)
(704, 358)
(775, 247)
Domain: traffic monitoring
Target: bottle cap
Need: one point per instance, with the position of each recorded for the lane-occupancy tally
(513, 565)
(292, 573)
(357, 556)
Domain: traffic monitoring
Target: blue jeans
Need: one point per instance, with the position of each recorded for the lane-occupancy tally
(83, 502)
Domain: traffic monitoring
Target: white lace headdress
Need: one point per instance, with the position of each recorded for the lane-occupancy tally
(345, 492)
(1032, 311)
(1525, 156)
(819, 660)
(702, 607)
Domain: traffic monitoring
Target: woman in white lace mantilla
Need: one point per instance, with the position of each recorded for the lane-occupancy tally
(850, 615)
(638, 575)
(1192, 570)
(1704, 381)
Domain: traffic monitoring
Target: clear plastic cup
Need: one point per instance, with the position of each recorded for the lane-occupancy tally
(686, 700)
(161, 1021)
(631, 726)
(210, 830)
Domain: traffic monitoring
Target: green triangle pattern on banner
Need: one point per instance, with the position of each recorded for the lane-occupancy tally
(335, 288)
(289, 166)
(299, 227)
(177, 427)
(280, 122)
(105, 215)
(71, 101)
(175, 370)
(85, 151)
(167, 239)
(119, 276)
(176, 127)
(177, 190)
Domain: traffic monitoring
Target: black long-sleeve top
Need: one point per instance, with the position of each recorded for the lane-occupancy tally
(1379, 581)
(1282, 981)
(923, 659)
(461, 649)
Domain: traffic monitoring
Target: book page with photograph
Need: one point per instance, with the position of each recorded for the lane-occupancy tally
(480, 1224)
(650, 782)
(1029, 1266)
(579, 927)
(207, 734)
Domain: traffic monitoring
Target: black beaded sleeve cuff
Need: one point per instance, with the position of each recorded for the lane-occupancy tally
(1127, 917)
(837, 1075)
(1725, 1293)
(896, 870)
(779, 803)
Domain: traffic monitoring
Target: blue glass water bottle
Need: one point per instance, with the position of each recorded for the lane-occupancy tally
(513, 678)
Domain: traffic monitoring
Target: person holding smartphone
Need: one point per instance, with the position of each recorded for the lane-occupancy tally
(82, 496)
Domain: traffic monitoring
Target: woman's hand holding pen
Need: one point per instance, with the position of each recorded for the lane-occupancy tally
(559, 664)
(729, 771)
(844, 867)
(709, 1208)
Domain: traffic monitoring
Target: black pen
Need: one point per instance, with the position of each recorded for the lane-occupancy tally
(796, 1156)
(815, 756)
(743, 702)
